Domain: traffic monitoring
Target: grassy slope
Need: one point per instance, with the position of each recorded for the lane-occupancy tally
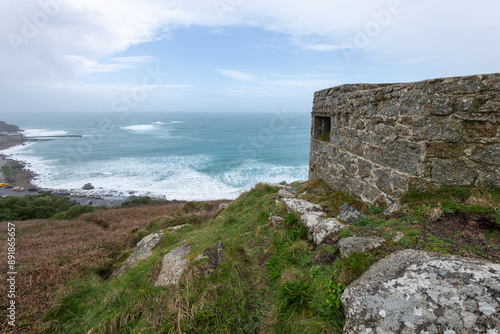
(272, 279)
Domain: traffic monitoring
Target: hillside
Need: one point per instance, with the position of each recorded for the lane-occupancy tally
(4, 127)
(271, 279)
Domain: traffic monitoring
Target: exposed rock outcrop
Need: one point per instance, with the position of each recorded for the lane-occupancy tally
(215, 255)
(173, 266)
(302, 207)
(417, 292)
(144, 249)
(4, 127)
(349, 215)
(351, 245)
(285, 194)
(321, 229)
(88, 186)
(223, 206)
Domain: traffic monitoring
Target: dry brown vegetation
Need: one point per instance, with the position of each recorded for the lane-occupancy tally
(50, 253)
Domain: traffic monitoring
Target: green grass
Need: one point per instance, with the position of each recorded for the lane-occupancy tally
(6, 171)
(243, 295)
(324, 136)
(268, 280)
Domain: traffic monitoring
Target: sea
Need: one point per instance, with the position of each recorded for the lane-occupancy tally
(181, 156)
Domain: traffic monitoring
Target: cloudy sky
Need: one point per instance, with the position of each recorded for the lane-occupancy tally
(230, 55)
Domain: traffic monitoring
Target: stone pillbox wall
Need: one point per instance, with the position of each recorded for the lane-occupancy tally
(379, 141)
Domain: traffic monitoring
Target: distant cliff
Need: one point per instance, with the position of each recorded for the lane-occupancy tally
(4, 127)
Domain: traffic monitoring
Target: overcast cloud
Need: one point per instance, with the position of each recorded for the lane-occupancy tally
(54, 53)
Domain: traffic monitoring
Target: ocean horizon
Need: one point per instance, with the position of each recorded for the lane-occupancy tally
(182, 156)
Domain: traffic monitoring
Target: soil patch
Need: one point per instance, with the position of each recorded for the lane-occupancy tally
(467, 234)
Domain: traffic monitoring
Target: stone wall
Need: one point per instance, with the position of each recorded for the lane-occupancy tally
(379, 141)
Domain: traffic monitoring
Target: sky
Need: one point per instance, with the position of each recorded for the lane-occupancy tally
(230, 55)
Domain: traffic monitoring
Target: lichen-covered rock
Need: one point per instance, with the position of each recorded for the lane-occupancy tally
(223, 206)
(173, 266)
(302, 207)
(349, 215)
(144, 248)
(353, 245)
(276, 220)
(417, 292)
(215, 255)
(398, 237)
(392, 209)
(321, 229)
(285, 194)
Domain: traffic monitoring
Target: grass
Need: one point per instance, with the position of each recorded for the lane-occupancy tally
(265, 276)
(6, 171)
(269, 281)
(324, 136)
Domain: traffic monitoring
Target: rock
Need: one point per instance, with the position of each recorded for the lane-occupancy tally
(144, 248)
(173, 265)
(353, 245)
(88, 186)
(398, 237)
(300, 206)
(417, 292)
(315, 191)
(392, 209)
(4, 127)
(321, 229)
(215, 255)
(223, 206)
(489, 154)
(276, 220)
(281, 186)
(285, 194)
(349, 215)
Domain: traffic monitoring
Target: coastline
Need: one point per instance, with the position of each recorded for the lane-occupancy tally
(21, 176)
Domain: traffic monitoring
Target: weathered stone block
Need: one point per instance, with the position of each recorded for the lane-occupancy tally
(489, 176)
(437, 129)
(444, 150)
(349, 215)
(364, 168)
(478, 129)
(383, 180)
(441, 106)
(466, 104)
(353, 245)
(488, 154)
(490, 107)
(399, 184)
(401, 155)
(453, 172)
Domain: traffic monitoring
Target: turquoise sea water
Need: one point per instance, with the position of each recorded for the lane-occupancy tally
(184, 156)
